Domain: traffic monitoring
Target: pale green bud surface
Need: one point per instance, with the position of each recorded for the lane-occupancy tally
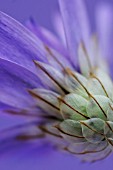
(82, 106)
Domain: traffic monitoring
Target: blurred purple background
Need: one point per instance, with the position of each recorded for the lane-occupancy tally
(41, 10)
(40, 157)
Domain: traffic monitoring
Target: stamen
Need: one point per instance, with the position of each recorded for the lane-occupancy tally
(87, 56)
(22, 113)
(41, 115)
(51, 54)
(39, 97)
(45, 71)
(41, 127)
(29, 137)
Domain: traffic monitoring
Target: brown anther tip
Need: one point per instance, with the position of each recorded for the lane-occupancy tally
(81, 122)
(41, 127)
(59, 98)
(48, 50)
(56, 126)
(34, 61)
(30, 91)
(46, 47)
(65, 148)
(68, 71)
(91, 74)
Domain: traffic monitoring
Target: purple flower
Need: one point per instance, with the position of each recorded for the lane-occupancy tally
(63, 88)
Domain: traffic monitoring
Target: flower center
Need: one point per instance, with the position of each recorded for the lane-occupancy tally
(81, 104)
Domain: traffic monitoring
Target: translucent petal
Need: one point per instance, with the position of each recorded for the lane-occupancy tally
(71, 127)
(97, 156)
(110, 140)
(57, 60)
(87, 147)
(49, 128)
(84, 61)
(74, 86)
(72, 139)
(109, 129)
(110, 114)
(106, 81)
(95, 88)
(93, 129)
(98, 106)
(74, 106)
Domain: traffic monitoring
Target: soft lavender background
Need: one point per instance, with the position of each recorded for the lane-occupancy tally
(36, 156)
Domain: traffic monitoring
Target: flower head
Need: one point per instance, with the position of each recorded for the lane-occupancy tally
(67, 90)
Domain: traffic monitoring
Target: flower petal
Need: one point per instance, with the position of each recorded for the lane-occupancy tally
(75, 24)
(104, 24)
(86, 147)
(50, 42)
(93, 130)
(14, 82)
(35, 28)
(19, 45)
(58, 26)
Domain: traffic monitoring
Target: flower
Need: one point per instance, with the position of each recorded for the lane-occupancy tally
(66, 91)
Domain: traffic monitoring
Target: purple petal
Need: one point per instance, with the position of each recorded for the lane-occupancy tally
(104, 23)
(58, 26)
(46, 33)
(75, 24)
(51, 41)
(19, 45)
(14, 82)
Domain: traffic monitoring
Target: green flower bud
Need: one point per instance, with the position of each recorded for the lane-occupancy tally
(82, 107)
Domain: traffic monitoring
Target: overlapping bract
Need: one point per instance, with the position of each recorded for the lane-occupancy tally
(86, 108)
